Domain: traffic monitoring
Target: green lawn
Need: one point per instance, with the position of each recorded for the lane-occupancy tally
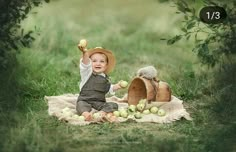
(132, 30)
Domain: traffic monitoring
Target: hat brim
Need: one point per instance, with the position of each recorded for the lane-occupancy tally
(110, 57)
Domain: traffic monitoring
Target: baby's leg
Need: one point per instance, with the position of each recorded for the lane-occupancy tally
(106, 110)
(83, 108)
(109, 107)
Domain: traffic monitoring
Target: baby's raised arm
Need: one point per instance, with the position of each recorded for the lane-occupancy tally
(85, 57)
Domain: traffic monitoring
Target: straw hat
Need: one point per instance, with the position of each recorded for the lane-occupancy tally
(110, 57)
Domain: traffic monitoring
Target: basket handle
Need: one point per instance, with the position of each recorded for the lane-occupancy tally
(155, 87)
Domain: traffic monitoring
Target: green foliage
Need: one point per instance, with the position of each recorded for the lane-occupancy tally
(224, 96)
(188, 85)
(213, 42)
(215, 46)
(12, 39)
(11, 14)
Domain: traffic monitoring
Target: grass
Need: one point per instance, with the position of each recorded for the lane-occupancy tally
(132, 30)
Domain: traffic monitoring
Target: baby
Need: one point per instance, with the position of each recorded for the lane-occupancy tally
(95, 64)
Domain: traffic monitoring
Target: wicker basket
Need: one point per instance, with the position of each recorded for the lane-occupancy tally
(142, 88)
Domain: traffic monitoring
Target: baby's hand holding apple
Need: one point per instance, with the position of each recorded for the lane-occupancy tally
(123, 84)
(82, 45)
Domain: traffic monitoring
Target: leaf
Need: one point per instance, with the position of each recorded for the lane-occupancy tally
(170, 41)
(187, 9)
(23, 43)
(27, 9)
(183, 6)
(184, 30)
(190, 25)
(178, 37)
(187, 37)
(162, 38)
(174, 39)
(186, 17)
(195, 36)
(36, 3)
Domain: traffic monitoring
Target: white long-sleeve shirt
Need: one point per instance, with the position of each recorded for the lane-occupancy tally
(86, 71)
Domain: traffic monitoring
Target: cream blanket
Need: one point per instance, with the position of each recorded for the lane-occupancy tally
(174, 109)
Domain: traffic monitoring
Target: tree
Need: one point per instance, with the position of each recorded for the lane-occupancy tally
(12, 12)
(219, 43)
(218, 47)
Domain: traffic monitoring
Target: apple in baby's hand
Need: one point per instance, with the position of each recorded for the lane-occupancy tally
(83, 43)
(123, 84)
(161, 112)
(116, 113)
(154, 110)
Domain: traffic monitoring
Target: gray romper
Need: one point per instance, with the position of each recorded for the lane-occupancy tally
(92, 95)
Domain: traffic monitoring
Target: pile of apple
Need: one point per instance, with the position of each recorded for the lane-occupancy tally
(67, 112)
(95, 116)
(139, 110)
(132, 111)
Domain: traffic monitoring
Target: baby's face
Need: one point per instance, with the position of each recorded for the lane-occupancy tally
(99, 62)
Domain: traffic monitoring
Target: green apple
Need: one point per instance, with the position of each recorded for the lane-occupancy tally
(130, 116)
(96, 115)
(81, 118)
(116, 113)
(146, 111)
(124, 114)
(123, 84)
(154, 110)
(83, 43)
(75, 116)
(122, 110)
(140, 107)
(132, 108)
(138, 115)
(161, 112)
(142, 101)
(66, 109)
